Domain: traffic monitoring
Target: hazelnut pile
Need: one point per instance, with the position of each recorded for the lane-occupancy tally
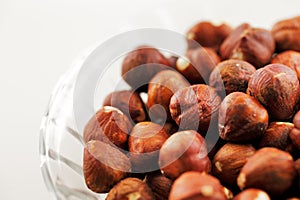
(222, 122)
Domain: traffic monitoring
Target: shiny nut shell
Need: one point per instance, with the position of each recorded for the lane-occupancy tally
(110, 125)
(269, 169)
(103, 166)
(197, 186)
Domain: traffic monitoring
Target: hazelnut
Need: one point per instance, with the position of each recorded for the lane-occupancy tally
(109, 125)
(278, 135)
(159, 184)
(231, 76)
(254, 45)
(195, 107)
(229, 160)
(252, 194)
(131, 189)
(160, 90)
(197, 65)
(276, 86)
(289, 58)
(129, 102)
(145, 140)
(207, 35)
(242, 118)
(269, 169)
(141, 64)
(295, 137)
(103, 166)
(286, 34)
(183, 151)
(296, 120)
(195, 185)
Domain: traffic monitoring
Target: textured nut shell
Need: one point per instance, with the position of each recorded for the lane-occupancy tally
(183, 151)
(197, 186)
(159, 184)
(145, 141)
(229, 160)
(253, 45)
(198, 66)
(286, 34)
(103, 166)
(295, 137)
(277, 135)
(141, 64)
(129, 102)
(276, 86)
(290, 59)
(195, 107)
(231, 76)
(269, 169)
(252, 194)
(241, 118)
(130, 189)
(207, 35)
(109, 125)
(160, 90)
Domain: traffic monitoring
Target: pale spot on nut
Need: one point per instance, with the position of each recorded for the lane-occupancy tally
(238, 54)
(261, 196)
(284, 123)
(279, 75)
(108, 109)
(190, 36)
(182, 64)
(218, 166)
(134, 196)
(241, 180)
(207, 190)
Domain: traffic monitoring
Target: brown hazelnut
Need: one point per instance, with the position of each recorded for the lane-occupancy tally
(278, 135)
(103, 166)
(160, 90)
(159, 184)
(276, 86)
(195, 107)
(131, 189)
(145, 140)
(207, 34)
(254, 45)
(242, 118)
(197, 186)
(269, 169)
(197, 65)
(289, 58)
(229, 160)
(141, 64)
(231, 76)
(296, 120)
(183, 151)
(252, 194)
(286, 34)
(129, 102)
(109, 125)
(295, 137)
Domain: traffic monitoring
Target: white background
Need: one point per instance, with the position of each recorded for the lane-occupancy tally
(39, 39)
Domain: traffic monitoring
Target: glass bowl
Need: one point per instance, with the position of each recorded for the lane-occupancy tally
(81, 90)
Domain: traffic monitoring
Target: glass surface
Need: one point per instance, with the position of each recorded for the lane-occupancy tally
(61, 143)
